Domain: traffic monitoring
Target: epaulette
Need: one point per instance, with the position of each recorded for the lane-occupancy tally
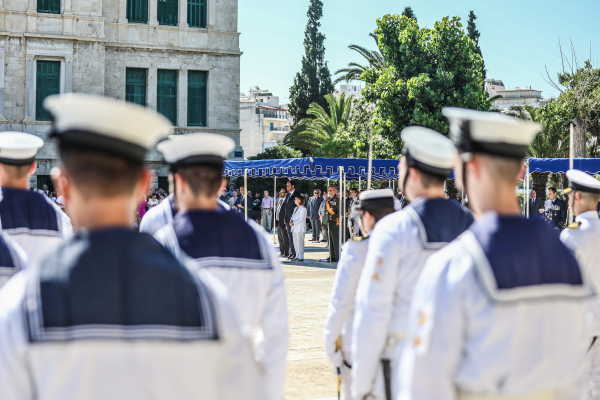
(360, 238)
(574, 225)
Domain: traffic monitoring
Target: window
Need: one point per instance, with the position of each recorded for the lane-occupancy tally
(166, 93)
(238, 154)
(135, 86)
(197, 13)
(271, 125)
(197, 101)
(47, 83)
(163, 183)
(167, 12)
(137, 11)
(48, 6)
(45, 180)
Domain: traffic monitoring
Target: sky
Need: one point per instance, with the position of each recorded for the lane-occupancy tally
(519, 38)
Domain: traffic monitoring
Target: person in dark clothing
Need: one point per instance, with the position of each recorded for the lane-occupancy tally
(284, 244)
(290, 205)
(256, 211)
(556, 210)
(535, 205)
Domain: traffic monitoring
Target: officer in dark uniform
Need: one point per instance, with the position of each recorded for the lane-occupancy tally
(556, 210)
(332, 220)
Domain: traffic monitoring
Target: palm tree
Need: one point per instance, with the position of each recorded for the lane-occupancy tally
(311, 133)
(354, 70)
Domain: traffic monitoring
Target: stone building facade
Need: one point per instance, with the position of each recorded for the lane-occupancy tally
(90, 46)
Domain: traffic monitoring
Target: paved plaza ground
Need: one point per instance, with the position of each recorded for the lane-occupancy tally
(308, 284)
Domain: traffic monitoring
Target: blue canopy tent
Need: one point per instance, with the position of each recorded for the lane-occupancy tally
(558, 165)
(314, 168)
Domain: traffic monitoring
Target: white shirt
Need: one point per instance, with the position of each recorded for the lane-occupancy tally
(16, 259)
(468, 335)
(60, 200)
(299, 219)
(343, 295)
(257, 293)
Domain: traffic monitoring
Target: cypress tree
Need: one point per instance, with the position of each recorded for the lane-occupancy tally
(313, 82)
(474, 34)
(408, 12)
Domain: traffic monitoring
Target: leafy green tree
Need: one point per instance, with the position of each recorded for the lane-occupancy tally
(311, 133)
(314, 80)
(474, 35)
(277, 152)
(408, 13)
(354, 70)
(427, 69)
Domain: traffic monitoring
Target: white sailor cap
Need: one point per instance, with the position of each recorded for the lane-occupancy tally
(580, 181)
(18, 148)
(104, 124)
(376, 198)
(490, 132)
(428, 151)
(196, 148)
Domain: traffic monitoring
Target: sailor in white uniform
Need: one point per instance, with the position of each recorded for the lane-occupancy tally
(583, 238)
(399, 246)
(12, 258)
(500, 313)
(207, 238)
(111, 314)
(31, 219)
(373, 206)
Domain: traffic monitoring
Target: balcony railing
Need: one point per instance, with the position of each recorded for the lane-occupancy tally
(279, 128)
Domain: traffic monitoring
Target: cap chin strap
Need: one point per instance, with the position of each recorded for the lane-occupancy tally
(464, 157)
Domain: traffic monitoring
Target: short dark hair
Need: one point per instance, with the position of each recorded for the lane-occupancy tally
(428, 180)
(17, 171)
(202, 179)
(291, 182)
(552, 189)
(96, 173)
(379, 212)
(355, 190)
(302, 200)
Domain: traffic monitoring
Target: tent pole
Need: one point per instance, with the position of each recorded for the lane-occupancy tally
(370, 164)
(273, 219)
(571, 134)
(527, 190)
(359, 184)
(246, 194)
(340, 212)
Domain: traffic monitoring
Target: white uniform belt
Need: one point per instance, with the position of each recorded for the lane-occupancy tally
(392, 340)
(540, 395)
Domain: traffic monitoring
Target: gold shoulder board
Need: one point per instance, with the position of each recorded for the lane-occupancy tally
(574, 225)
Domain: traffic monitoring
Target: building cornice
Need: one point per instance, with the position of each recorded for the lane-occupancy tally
(172, 48)
(51, 36)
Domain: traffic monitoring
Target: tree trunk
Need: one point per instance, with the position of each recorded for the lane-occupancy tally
(564, 180)
(579, 147)
(540, 179)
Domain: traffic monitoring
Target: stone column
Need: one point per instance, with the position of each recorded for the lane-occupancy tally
(2, 118)
(211, 20)
(151, 87)
(122, 12)
(67, 18)
(69, 74)
(31, 16)
(29, 88)
(153, 12)
(183, 14)
(182, 91)
(67, 8)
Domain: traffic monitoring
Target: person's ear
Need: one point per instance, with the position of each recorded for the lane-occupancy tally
(143, 183)
(32, 168)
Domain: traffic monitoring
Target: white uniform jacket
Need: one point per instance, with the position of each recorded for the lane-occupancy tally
(241, 257)
(163, 214)
(113, 315)
(299, 219)
(399, 246)
(343, 296)
(12, 258)
(33, 221)
(500, 311)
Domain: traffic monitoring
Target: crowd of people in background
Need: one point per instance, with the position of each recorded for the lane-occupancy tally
(151, 199)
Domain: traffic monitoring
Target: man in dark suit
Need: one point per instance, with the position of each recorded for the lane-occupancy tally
(290, 205)
(556, 210)
(313, 205)
(535, 205)
(284, 243)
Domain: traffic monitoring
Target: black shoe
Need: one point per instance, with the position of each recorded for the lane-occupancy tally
(334, 260)
(324, 241)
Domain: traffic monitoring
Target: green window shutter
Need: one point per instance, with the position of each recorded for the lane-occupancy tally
(197, 99)
(166, 93)
(47, 83)
(48, 6)
(197, 13)
(137, 11)
(167, 12)
(135, 86)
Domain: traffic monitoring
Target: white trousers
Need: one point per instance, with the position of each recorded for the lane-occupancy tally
(591, 378)
(299, 244)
